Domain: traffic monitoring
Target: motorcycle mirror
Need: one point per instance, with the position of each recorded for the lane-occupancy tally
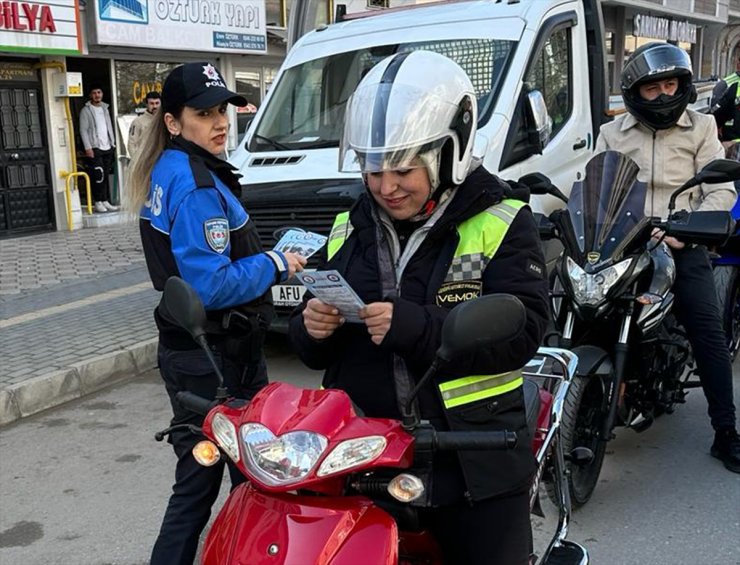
(184, 307)
(540, 184)
(480, 323)
(719, 170)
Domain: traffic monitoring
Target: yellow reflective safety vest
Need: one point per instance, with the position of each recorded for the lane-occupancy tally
(480, 237)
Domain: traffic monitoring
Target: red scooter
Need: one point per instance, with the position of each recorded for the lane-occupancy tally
(327, 486)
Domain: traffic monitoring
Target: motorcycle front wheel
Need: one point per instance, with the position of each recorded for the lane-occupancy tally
(582, 419)
(727, 282)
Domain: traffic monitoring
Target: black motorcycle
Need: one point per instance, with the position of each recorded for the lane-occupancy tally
(612, 302)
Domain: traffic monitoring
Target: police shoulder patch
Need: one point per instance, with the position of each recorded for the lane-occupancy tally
(217, 234)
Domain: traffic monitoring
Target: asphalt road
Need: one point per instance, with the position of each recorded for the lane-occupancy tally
(86, 484)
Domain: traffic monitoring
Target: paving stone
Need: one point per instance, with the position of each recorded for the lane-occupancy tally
(64, 354)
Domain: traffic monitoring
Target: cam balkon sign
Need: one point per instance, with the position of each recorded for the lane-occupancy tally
(232, 26)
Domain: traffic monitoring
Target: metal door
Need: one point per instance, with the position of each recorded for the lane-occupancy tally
(26, 198)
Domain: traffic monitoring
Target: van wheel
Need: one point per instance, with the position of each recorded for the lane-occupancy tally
(582, 420)
(727, 282)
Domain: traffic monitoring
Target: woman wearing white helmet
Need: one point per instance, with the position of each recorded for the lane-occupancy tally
(428, 234)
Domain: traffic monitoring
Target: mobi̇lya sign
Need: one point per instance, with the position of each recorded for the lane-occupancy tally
(40, 27)
(236, 26)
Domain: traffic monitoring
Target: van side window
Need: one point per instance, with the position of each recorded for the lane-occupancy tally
(551, 74)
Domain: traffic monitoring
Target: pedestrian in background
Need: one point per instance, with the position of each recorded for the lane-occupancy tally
(99, 140)
(193, 226)
(670, 144)
(143, 122)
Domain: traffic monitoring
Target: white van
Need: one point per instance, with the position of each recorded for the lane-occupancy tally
(537, 67)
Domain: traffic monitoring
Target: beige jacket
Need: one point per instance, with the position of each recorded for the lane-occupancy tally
(668, 158)
(136, 132)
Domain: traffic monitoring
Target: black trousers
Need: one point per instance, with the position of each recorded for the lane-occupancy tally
(698, 312)
(196, 487)
(99, 168)
(495, 531)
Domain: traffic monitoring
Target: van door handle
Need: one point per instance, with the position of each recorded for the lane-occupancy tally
(580, 144)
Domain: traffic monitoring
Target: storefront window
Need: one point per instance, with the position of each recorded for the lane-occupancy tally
(135, 79)
(274, 12)
(253, 84)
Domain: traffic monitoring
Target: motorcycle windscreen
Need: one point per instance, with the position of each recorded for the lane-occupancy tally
(607, 208)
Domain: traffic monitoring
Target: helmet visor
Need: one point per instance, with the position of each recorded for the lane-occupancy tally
(389, 125)
(663, 61)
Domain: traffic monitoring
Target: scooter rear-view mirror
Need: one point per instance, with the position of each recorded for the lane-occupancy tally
(480, 323)
(473, 325)
(184, 307)
(181, 305)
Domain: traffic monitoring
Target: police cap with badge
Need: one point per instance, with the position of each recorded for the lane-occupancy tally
(197, 85)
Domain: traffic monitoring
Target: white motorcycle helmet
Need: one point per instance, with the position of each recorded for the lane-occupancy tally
(413, 109)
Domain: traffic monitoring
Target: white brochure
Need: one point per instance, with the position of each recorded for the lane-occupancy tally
(303, 243)
(331, 288)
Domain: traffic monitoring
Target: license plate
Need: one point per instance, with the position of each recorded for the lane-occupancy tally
(288, 294)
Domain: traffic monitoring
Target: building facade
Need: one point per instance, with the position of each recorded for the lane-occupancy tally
(53, 52)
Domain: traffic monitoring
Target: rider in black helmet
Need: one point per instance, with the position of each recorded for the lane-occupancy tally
(654, 62)
(670, 143)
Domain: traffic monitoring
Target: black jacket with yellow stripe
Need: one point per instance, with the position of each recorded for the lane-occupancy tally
(423, 297)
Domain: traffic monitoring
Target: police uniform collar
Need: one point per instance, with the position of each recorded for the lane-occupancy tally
(179, 142)
(201, 161)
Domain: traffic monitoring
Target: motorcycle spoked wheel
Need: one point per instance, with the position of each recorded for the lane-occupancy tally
(727, 282)
(582, 418)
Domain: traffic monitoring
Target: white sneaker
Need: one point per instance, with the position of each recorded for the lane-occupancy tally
(110, 207)
(99, 207)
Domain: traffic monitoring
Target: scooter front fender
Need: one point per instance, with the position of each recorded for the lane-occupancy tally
(255, 528)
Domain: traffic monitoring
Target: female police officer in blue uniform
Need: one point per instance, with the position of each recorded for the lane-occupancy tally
(192, 225)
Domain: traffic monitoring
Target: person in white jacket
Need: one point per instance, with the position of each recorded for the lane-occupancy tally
(99, 140)
(670, 144)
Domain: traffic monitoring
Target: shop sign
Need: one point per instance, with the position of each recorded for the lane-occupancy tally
(17, 71)
(231, 26)
(663, 28)
(40, 27)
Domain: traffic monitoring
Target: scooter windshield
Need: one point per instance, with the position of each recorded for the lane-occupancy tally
(607, 208)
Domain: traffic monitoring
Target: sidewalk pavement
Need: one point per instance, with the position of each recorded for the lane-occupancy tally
(75, 316)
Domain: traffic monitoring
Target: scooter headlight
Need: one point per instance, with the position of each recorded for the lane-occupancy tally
(352, 453)
(282, 460)
(591, 289)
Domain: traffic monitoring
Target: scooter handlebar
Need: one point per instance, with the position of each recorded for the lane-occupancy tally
(475, 441)
(195, 403)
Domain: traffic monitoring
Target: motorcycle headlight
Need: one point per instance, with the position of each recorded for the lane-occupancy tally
(225, 433)
(283, 460)
(351, 453)
(591, 289)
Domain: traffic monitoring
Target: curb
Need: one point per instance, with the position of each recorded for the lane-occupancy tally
(78, 380)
